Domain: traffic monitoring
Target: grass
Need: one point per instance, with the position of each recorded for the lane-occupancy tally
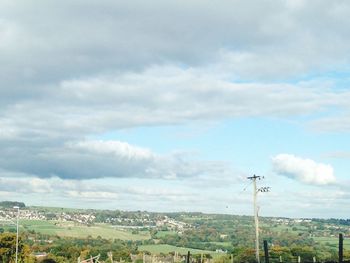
(161, 234)
(225, 244)
(69, 229)
(39, 226)
(332, 241)
(163, 248)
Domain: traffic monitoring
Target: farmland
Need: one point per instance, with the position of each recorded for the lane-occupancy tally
(332, 242)
(70, 229)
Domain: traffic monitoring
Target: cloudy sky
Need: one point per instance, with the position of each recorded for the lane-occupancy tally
(169, 105)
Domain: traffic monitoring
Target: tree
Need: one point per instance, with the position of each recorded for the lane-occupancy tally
(8, 248)
(244, 255)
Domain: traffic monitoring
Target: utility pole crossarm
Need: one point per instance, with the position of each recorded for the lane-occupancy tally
(254, 177)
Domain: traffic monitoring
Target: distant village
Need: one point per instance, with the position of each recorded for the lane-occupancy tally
(124, 222)
(146, 221)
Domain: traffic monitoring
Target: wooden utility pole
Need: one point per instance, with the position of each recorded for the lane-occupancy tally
(256, 218)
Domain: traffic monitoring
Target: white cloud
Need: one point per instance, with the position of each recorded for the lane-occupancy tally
(92, 195)
(116, 148)
(303, 170)
(27, 185)
(95, 190)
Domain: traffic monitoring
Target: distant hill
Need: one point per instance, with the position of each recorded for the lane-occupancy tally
(11, 204)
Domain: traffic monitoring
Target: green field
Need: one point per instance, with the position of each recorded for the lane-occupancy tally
(165, 233)
(332, 241)
(39, 226)
(224, 244)
(69, 229)
(162, 248)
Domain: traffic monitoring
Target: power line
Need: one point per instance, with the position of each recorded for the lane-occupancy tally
(245, 188)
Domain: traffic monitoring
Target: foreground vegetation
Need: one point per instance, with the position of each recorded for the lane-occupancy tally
(69, 249)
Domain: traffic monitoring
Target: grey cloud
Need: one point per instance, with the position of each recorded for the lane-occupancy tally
(50, 49)
(101, 159)
(159, 96)
(338, 123)
(338, 155)
(47, 41)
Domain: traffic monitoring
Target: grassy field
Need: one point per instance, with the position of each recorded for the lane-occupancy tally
(165, 233)
(225, 244)
(332, 241)
(162, 248)
(69, 229)
(39, 226)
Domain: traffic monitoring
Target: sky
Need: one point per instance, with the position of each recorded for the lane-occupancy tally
(166, 105)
